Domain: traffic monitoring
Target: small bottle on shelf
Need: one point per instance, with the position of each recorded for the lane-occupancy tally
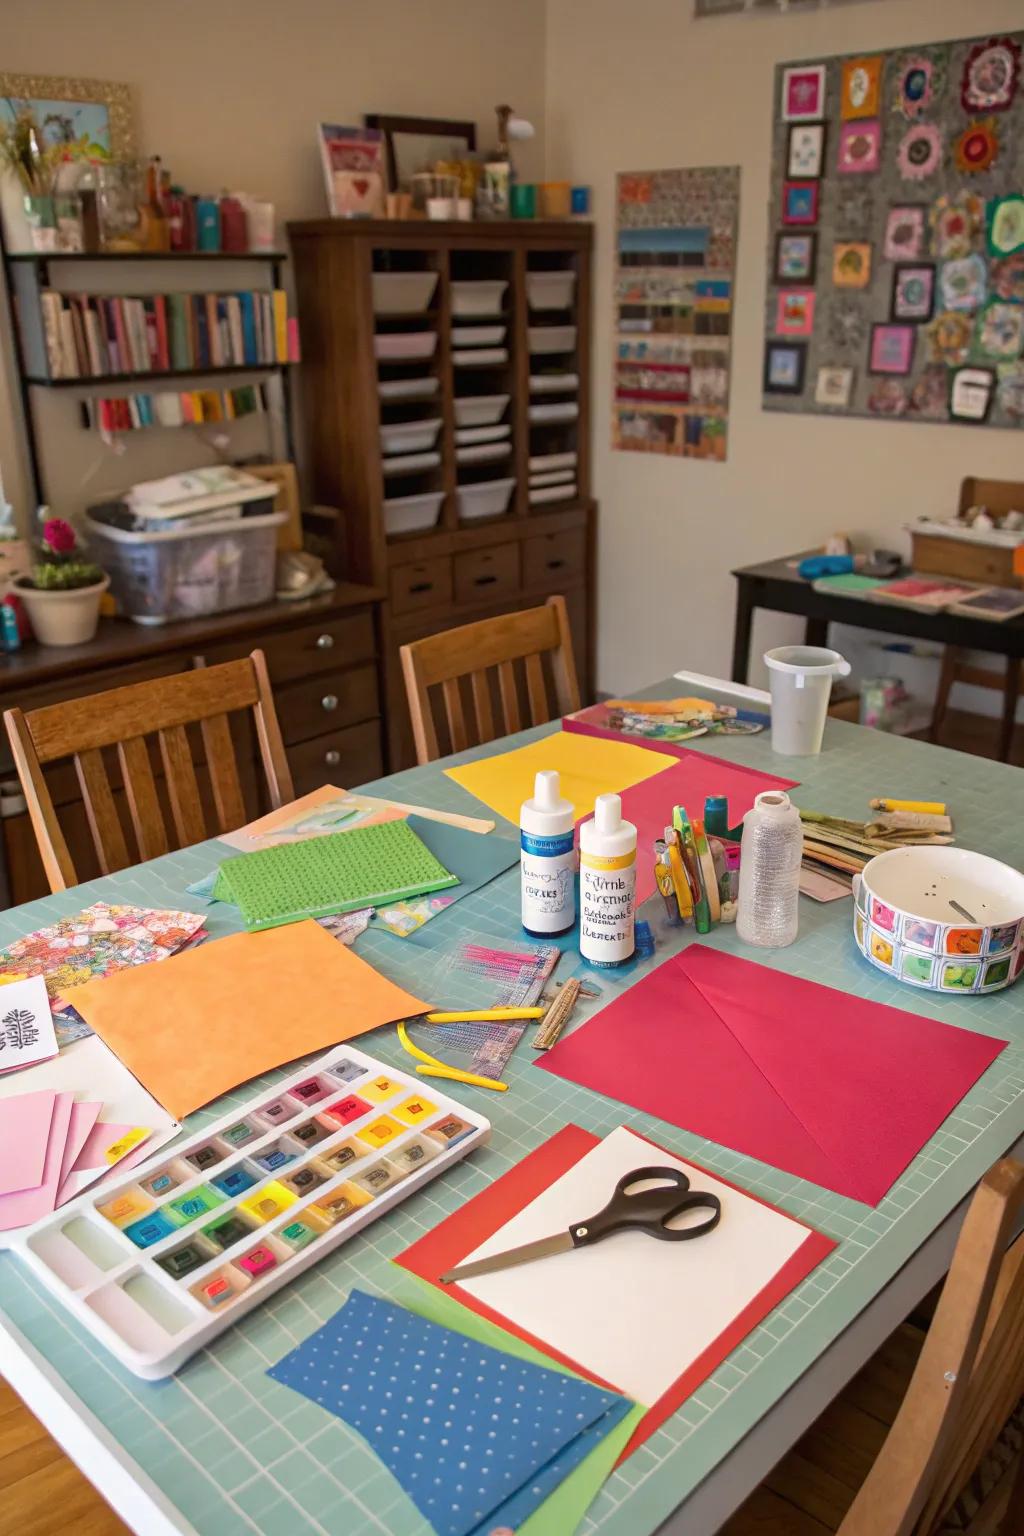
(154, 221)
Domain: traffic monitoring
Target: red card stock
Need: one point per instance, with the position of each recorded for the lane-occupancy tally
(819, 1083)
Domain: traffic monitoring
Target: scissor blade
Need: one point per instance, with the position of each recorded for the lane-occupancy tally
(512, 1256)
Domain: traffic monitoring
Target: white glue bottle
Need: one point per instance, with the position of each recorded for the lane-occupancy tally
(607, 884)
(547, 858)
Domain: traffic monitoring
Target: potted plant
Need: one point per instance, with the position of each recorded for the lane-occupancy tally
(34, 164)
(62, 591)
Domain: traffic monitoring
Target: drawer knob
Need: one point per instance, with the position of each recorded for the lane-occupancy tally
(325, 642)
(329, 701)
(332, 758)
(484, 581)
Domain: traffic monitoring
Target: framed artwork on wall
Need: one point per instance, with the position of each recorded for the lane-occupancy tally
(784, 365)
(414, 144)
(892, 349)
(800, 202)
(851, 264)
(806, 150)
(803, 93)
(860, 87)
(796, 257)
(913, 292)
(905, 226)
(97, 114)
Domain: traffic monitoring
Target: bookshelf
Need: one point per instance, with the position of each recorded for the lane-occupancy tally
(462, 366)
(32, 274)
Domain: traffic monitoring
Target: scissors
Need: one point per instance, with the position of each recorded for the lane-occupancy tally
(647, 1210)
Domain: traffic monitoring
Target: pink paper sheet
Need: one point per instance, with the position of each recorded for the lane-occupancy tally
(27, 1205)
(688, 783)
(819, 1083)
(83, 1118)
(24, 1137)
(92, 1164)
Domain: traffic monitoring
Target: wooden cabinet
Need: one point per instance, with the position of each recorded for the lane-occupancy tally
(324, 666)
(439, 359)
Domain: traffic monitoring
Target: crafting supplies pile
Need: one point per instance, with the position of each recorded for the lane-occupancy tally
(837, 849)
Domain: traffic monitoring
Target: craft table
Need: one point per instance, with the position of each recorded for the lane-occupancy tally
(222, 1451)
(774, 584)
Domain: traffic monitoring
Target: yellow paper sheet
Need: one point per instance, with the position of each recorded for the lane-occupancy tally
(200, 1023)
(589, 767)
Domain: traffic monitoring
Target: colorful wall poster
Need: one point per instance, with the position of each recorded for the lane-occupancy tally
(896, 244)
(675, 258)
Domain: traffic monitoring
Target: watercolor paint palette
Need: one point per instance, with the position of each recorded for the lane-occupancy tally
(159, 1264)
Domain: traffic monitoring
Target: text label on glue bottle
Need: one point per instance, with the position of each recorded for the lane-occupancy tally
(547, 858)
(607, 884)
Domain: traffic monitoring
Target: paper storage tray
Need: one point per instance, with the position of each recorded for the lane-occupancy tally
(402, 293)
(550, 290)
(183, 573)
(488, 498)
(411, 514)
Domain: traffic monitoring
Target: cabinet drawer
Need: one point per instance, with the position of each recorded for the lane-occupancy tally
(327, 703)
(554, 557)
(427, 585)
(482, 574)
(336, 641)
(345, 758)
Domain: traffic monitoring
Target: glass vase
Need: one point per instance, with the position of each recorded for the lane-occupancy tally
(41, 216)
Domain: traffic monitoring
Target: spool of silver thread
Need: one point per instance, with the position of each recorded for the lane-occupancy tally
(770, 854)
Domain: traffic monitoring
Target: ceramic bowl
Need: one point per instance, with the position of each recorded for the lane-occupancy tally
(905, 922)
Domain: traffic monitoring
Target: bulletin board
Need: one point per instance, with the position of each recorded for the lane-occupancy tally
(896, 235)
(675, 253)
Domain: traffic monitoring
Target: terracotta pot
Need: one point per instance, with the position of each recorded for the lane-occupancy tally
(62, 617)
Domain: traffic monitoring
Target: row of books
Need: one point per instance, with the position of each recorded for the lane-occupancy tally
(96, 336)
(172, 408)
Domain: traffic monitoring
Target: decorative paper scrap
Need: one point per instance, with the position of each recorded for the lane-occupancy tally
(24, 1206)
(474, 861)
(26, 1024)
(675, 260)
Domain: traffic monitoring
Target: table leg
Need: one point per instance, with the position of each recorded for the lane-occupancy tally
(741, 632)
(816, 632)
(1011, 687)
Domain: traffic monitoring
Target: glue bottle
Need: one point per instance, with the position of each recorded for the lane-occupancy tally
(607, 884)
(547, 858)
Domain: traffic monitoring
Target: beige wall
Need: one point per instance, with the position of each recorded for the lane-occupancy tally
(229, 92)
(638, 86)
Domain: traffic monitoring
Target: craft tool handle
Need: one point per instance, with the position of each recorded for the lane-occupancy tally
(484, 1015)
(650, 1209)
(924, 807)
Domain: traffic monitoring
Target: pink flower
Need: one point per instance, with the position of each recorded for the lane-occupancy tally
(59, 535)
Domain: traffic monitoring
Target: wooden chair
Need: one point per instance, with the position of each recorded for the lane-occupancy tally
(864, 1471)
(485, 653)
(124, 717)
(982, 564)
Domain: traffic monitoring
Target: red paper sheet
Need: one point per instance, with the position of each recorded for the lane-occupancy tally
(819, 1083)
(445, 1246)
(688, 783)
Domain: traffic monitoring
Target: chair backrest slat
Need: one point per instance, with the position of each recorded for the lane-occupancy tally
(472, 651)
(106, 829)
(124, 717)
(143, 803)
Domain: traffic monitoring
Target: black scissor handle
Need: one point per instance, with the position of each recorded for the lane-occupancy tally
(650, 1210)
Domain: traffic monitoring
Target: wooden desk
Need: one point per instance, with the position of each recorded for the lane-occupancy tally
(213, 1451)
(323, 657)
(774, 584)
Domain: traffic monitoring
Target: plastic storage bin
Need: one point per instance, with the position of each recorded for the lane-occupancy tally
(186, 572)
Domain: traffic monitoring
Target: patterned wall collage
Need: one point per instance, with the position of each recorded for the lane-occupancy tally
(896, 252)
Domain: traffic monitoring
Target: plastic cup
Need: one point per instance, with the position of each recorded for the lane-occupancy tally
(801, 681)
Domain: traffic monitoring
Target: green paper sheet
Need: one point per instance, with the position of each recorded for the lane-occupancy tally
(563, 1511)
(323, 875)
(847, 581)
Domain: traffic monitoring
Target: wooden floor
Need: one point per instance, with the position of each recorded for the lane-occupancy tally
(42, 1493)
(977, 734)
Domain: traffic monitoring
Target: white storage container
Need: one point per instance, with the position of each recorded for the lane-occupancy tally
(551, 338)
(483, 453)
(477, 335)
(409, 389)
(477, 298)
(185, 572)
(551, 461)
(552, 493)
(490, 498)
(411, 514)
(408, 463)
(479, 357)
(403, 293)
(553, 383)
(553, 477)
(405, 346)
(479, 410)
(550, 290)
(408, 436)
(566, 410)
(467, 435)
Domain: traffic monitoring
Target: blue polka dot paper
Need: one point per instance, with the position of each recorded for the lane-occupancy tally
(475, 1437)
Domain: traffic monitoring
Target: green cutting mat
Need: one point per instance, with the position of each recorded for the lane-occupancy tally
(233, 1451)
(338, 873)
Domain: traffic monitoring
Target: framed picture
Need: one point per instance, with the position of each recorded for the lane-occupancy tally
(860, 88)
(834, 387)
(352, 160)
(414, 144)
(800, 202)
(806, 156)
(860, 147)
(913, 292)
(794, 312)
(892, 348)
(99, 115)
(970, 393)
(803, 93)
(796, 257)
(785, 363)
(905, 227)
(851, 263)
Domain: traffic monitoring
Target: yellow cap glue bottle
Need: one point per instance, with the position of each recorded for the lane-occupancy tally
(547, 858)
(607, 884)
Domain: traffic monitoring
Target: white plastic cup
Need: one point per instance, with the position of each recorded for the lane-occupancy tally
(441, 207)
(801, 681)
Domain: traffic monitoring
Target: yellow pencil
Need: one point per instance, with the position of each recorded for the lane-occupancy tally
(485, 1015)
(922, 807)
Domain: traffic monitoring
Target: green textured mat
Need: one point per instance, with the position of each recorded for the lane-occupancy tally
(336, 873)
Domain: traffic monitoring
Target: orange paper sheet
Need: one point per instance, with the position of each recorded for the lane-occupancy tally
(200, 1023)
